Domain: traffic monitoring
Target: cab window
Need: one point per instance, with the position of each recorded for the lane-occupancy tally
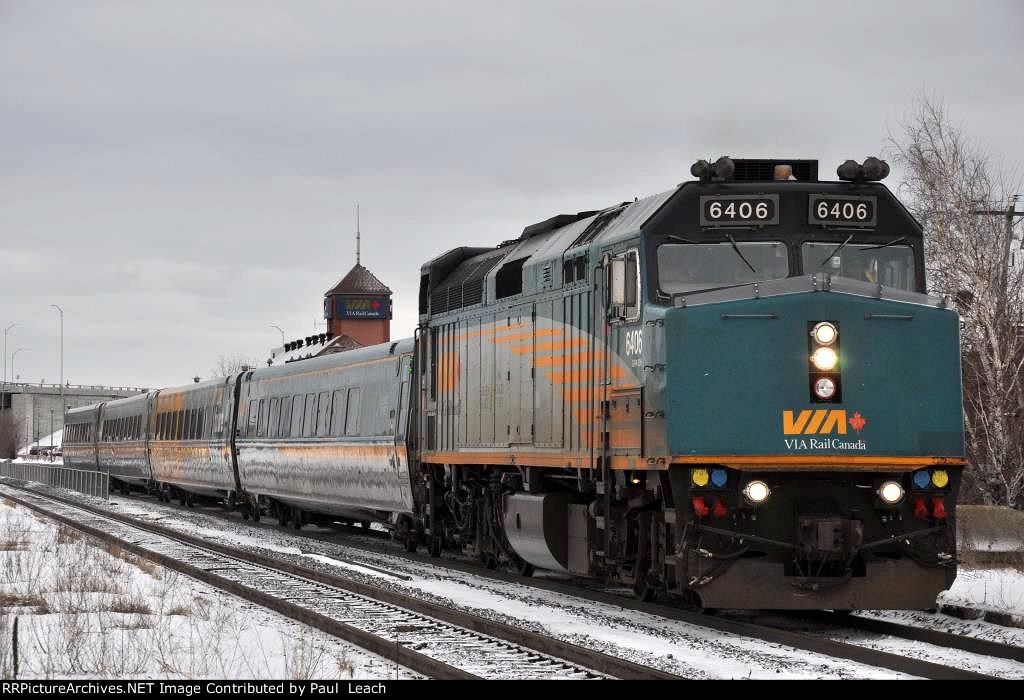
(890, 266)
(690, 267)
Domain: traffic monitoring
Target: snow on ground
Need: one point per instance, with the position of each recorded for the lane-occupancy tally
(88, 610)
(999, 589)
(672, 645)
(45, 442)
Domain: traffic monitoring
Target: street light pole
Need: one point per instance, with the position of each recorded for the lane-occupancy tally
(280, 330)
(13, 355)
(3, 394)
(63, 406)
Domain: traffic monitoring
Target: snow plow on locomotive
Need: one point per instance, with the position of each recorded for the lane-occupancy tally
(736, 391)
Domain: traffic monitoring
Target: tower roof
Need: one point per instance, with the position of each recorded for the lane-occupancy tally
(359, 280)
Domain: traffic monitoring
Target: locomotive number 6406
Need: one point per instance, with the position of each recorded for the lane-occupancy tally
(842, 210)
(739, 210)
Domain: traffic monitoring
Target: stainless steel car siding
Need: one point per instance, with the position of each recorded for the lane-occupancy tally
(333, 474)
(203, 465)
(82, 455)
(124, 459)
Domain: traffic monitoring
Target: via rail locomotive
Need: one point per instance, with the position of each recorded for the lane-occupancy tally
(736, 391)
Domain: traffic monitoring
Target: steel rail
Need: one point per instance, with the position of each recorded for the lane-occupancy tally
(797, 640)
(536, 642)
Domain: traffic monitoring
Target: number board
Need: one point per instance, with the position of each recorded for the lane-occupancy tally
(842, 210)
(740, 210)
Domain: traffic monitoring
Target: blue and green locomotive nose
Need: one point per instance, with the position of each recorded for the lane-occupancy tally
(811, 375)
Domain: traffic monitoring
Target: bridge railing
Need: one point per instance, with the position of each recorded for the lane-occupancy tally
(91, 483)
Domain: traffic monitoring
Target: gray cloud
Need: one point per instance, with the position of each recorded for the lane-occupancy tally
(180, 175)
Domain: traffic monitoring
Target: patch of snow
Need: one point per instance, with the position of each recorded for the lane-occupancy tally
(998, 589)
(93, 611)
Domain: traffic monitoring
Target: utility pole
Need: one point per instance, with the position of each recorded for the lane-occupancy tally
(1010, 213)
(63, 406)
(3, 394)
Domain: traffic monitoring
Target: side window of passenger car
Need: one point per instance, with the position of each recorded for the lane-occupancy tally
(309, 426)
(254, 414)
(352, 412)
(275, 417)
(338, 413)
(297, 416)
(286, 417)
(262, 430)
(323, 413)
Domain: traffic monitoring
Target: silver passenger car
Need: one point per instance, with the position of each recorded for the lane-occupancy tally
(190, 437)
(121, 444)
(79, 441)
(328, 434)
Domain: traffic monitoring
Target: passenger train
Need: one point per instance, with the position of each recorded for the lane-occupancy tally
(736, 391)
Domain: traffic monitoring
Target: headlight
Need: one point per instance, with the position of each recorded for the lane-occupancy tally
(699, 477)
(825, 333)
(890, 492)
(756, 492)
(824, 388)
(940, 477)
(825, 359)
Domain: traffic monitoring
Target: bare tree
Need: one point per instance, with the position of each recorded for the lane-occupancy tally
(227, 366)
(949, 180)
(10, 435)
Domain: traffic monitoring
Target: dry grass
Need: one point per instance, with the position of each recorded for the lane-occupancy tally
(13, 544)
(345, 667)
(21, 600)
(134, 604)
(10, 504)
(67, 535)
(87, 613)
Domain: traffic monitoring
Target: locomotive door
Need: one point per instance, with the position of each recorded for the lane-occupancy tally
(622, 405)
(399, 452)
(518, 351)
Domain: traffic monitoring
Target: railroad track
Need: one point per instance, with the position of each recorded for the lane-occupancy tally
(767, 633)
(436, 641)
(918, 634)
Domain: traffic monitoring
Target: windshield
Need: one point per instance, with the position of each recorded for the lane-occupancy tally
(892, 266)
(692, 266)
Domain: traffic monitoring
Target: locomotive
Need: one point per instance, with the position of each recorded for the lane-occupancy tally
(736, 391)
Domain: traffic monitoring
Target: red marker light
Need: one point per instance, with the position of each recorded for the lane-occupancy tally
(720, 509)
(920, 508)
(938, 508)
(699, 507)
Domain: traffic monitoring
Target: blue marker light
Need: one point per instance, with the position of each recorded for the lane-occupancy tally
(922, 479)
(718, 477)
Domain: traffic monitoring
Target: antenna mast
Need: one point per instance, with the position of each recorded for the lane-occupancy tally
(357, 234)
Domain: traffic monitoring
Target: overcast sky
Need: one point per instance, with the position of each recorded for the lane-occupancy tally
(180, 175)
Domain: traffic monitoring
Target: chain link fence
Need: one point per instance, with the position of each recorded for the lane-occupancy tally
(91, 483)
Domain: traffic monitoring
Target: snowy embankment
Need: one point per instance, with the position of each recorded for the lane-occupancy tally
(991, 575)
(90, 610)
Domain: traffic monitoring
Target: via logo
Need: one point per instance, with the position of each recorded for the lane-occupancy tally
(820, 422)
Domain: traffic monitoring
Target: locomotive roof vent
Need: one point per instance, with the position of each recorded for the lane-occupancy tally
(556, 221)
(755, 169)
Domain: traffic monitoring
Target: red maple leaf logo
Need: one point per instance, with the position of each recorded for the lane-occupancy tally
(375, 304)
(858, 422)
